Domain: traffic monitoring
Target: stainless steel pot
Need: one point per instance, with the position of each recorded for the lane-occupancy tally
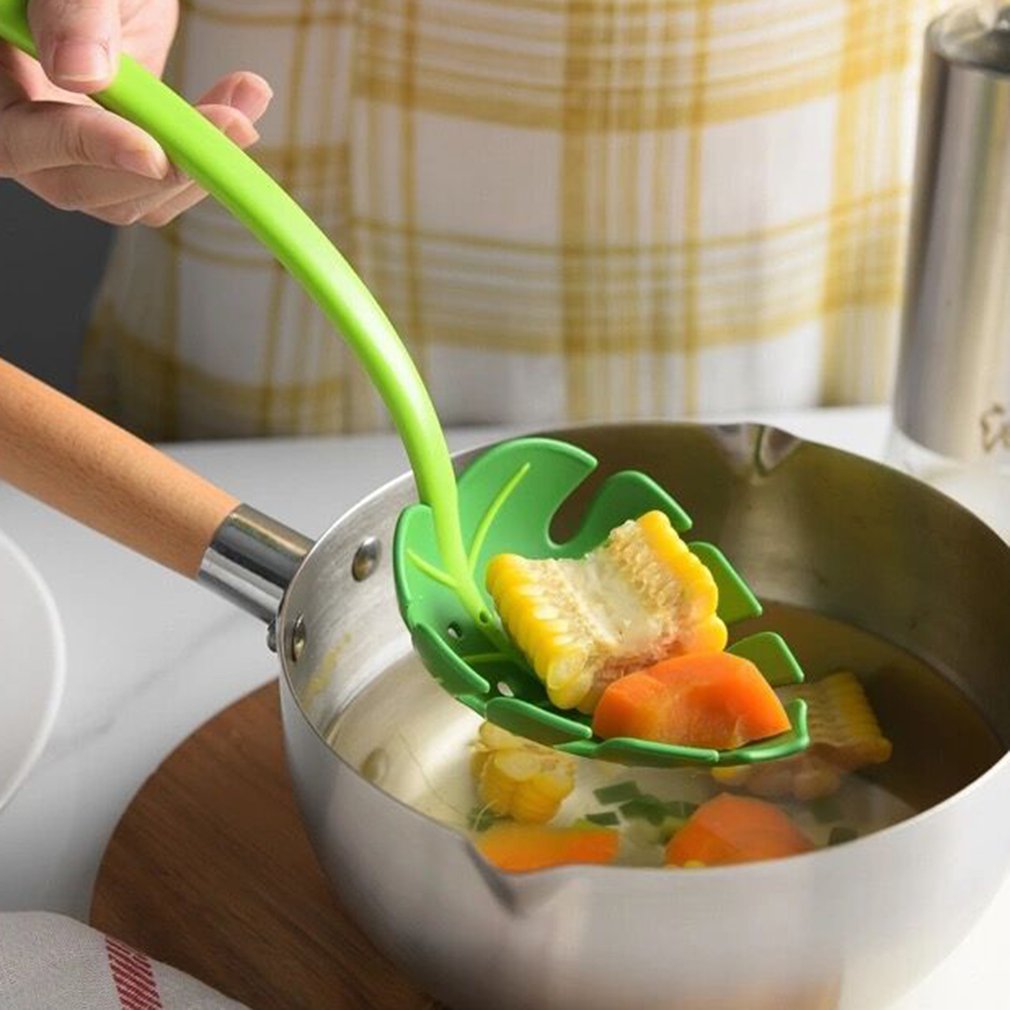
(850, 927)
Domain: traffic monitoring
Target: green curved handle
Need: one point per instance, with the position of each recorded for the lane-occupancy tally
(235, 179)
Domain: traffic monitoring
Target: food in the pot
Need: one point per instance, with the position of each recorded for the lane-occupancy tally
(618, 792)
(415, 742)
(519, 778)
(640, 597)
(652, 820)
(844, 736)
(518, 847)
(735, 829)
(714, 699)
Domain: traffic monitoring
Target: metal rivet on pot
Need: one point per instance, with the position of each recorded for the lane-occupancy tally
(366, 558)
(298, 637)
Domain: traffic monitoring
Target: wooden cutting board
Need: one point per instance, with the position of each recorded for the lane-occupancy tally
(210, 871)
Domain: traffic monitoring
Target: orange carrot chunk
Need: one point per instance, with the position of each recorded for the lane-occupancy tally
(712, 699)
(735, 829)
(517, 847)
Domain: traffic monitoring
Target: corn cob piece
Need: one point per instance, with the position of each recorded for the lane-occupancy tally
(518, 778)
(844, 736)
(640, 597)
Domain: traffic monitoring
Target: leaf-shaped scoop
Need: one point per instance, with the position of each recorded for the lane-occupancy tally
(506, 499)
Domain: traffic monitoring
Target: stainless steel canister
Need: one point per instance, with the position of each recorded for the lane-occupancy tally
(953, 390)
(952, 398)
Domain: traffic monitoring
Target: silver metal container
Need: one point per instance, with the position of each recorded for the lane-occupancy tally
(846, 928)
(952, 397)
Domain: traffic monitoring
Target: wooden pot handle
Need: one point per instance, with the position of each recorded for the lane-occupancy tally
(71, 458)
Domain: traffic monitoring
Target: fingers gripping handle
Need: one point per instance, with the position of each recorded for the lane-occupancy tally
(245, 189)
(256, 200)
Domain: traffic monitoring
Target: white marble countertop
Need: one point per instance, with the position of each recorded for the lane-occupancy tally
(151, 657)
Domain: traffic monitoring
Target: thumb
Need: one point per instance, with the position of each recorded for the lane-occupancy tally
(77, 40)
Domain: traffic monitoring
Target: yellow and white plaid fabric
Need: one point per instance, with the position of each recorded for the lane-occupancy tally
(571, 210)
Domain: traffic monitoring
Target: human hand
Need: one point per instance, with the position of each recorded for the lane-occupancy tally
(59, 144)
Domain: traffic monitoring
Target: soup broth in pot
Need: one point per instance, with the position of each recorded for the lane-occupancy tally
(410, 738)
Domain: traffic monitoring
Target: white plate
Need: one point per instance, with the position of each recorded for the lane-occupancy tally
(32, 666)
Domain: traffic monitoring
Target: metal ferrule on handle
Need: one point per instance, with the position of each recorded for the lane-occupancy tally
(251, 561)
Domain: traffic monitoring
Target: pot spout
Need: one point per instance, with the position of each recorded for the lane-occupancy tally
(518, 894)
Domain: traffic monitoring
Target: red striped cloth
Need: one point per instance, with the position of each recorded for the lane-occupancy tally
(49, 961)
(134, 977)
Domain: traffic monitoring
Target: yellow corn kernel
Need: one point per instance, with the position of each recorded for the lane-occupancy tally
(844, 736)
(519, 778)
(839, 718)
(734, 776)
(640, 597)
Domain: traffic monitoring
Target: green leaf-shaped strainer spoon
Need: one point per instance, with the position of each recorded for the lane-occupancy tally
(505, 500)
(508, 498)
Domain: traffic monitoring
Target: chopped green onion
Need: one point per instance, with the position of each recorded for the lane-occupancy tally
(605, 818)
(840, 834)
(826, 809)
(646, 808)
(619, 792)
(680, 808)
(481, 818)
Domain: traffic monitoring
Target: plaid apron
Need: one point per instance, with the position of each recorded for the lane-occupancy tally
(570, 209)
